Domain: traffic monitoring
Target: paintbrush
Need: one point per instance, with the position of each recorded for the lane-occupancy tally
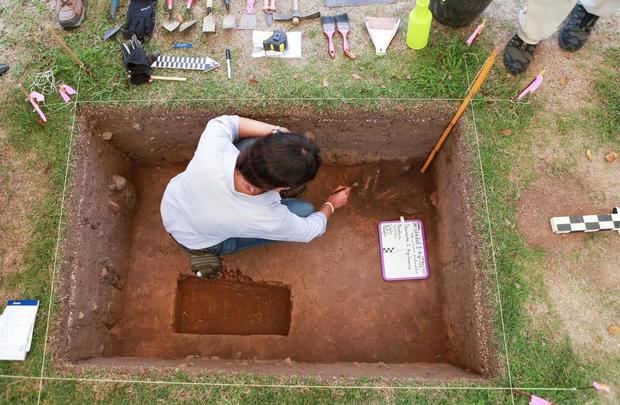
(342, 188)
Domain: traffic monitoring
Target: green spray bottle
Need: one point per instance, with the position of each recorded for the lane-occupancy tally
(419, 26)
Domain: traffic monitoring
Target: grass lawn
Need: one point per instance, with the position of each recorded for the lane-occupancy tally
(533, 354)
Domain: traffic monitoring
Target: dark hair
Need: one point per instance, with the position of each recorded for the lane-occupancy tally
(283, 159)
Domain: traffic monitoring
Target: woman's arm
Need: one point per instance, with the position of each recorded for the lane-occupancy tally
(249, 128)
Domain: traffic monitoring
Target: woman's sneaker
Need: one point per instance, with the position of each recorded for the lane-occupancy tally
(577, 29)
(70, 13)
(518, 55)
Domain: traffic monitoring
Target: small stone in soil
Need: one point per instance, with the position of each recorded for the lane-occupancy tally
(288, 362)
(119, 182)
(106, 136)
(114, 206)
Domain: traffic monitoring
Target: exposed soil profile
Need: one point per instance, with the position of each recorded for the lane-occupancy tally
(231, 307)
(130, 293)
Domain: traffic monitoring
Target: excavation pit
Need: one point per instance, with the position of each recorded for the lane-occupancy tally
(312, 309)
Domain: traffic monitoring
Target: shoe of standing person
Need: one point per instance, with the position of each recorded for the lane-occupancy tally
(518, 55)
(70, 13)
(577, 29)
(3, 68)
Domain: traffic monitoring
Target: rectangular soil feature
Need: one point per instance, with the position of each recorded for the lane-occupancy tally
(225, 307)
(122, 268)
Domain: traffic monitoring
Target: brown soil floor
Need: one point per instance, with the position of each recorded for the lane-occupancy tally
(342, 310)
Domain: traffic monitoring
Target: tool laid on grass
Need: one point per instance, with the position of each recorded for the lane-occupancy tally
(208, 23)
(228, 22)
(277, 42)
(342, 26)
(112, 31)
(204, 63)
(346, 3)
(228, 60)
(168, 78)
(189, 21)
(381, 31)
(269, 8)
(34, 99)
(329, 29)
(482, 74)
(295, 17)
(171, 24)
(182, 45)
(248, 19)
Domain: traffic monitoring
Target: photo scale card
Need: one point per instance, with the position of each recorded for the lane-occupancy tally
(403, 250)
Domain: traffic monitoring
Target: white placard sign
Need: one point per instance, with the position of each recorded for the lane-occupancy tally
(403, 250)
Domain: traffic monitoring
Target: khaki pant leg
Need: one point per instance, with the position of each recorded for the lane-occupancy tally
(542, 18)
(601, 8)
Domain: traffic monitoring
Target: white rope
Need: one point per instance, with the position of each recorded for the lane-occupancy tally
(488, 215)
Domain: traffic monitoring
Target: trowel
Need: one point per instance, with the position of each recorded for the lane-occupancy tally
(208, 23)
(229, 19)
(171, 24)
(248, 19)
(381, 31)
(112, 31)
(188, 15)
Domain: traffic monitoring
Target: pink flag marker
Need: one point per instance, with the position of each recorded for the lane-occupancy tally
(601, 387)
(534, 400)
(65, 92)
(476, 33)
(36, 98)
(532, 86)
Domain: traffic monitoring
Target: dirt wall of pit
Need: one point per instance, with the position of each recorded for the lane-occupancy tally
(465, 288)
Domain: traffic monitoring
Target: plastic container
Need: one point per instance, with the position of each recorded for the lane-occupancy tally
(457, 13)
(419, 25)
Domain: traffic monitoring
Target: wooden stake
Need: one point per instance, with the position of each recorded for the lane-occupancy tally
(62, 43)
(482, 74)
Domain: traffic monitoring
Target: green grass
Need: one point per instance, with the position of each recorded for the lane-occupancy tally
(537, 357)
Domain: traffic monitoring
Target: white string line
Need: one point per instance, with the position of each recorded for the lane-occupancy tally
(158, 101)
(488, 215)
(58, 234)
(295, 386)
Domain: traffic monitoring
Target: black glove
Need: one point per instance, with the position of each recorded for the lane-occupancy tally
(136, 61)
(140, 19)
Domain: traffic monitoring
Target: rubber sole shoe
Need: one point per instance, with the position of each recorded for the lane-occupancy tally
(518, 55)
(577, 29)
(206, 265)
(71, 13)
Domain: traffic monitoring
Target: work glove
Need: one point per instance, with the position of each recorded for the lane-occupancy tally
(140, 19)
(136, 61)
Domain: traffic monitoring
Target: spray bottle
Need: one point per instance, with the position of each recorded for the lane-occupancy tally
(419, 26)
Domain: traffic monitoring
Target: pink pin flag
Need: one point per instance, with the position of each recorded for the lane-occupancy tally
(532, 86)
(601, 387)
(65, 92)
(476, 33)
(534, 400)
(36, 98)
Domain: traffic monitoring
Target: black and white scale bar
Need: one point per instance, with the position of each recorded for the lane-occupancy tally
(185, 62)
(587, 223)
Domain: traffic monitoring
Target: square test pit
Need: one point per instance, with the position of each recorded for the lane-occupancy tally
(121, 271)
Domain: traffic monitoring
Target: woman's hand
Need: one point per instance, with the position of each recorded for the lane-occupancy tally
(339, 197)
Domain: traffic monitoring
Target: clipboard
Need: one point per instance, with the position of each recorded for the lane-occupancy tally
(403, 250)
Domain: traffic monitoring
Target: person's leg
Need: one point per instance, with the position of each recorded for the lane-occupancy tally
(580, 23)
(233, 245)
(538, 21)
(542, 18)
